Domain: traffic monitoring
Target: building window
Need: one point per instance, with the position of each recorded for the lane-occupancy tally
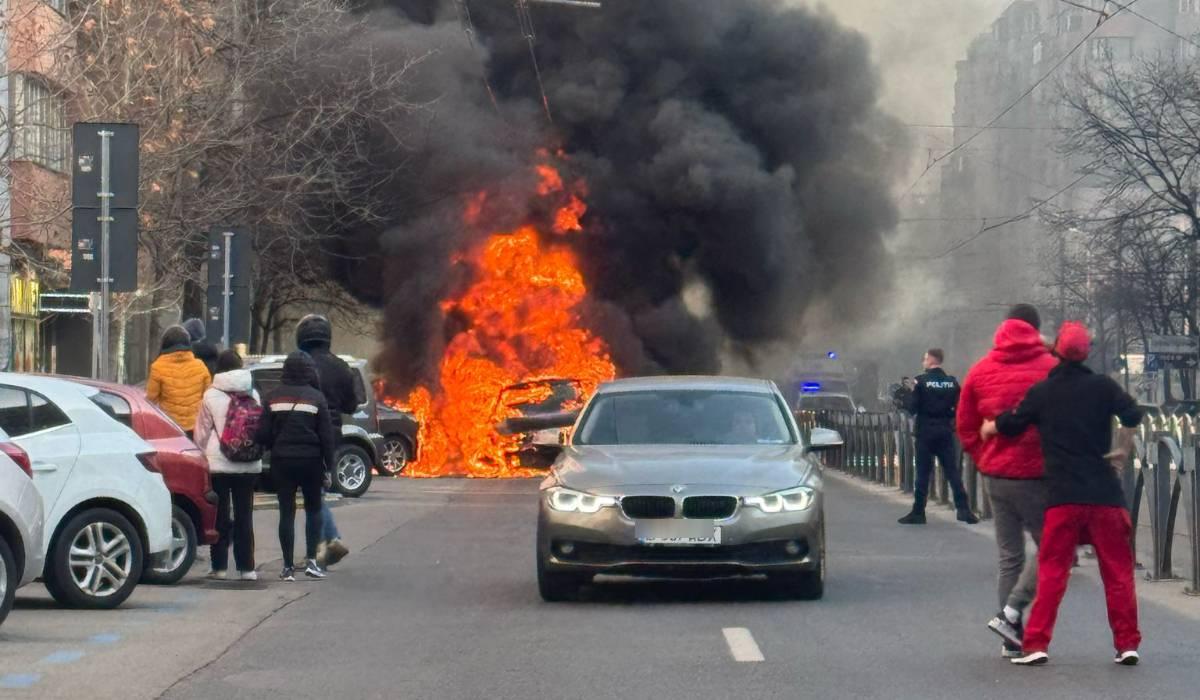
(1189, 7)
(60, 6)
(1069, 22)
(1189, 49)
(1037, 53)
(41, 124)
(1118, 48)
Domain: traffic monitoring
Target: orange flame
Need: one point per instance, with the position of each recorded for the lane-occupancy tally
(522, 323)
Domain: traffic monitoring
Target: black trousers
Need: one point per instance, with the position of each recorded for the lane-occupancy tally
(235, 521)
(308, 477)
(940, 445)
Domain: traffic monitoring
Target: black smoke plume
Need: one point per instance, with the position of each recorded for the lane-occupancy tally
(738, 168)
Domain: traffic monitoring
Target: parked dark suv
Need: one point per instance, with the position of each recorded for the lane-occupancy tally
(357, 453)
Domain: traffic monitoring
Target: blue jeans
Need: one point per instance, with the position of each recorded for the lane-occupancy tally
(329, 529)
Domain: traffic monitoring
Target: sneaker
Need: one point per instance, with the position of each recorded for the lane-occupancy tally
(335, 552)
(913, 518)
(1012, 632)
(1127, 658)
(1008, 651)
(288, 574)
(323, 554)
(218, 575)
(1037, 658)
(314, 571)
(967, 517)
(249, 575)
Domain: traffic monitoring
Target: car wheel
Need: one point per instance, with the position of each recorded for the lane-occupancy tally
(96, 560)
(179, 558)
(559, 587)
(9, 578)
(807, 585)
(395, 456)
(352, 476)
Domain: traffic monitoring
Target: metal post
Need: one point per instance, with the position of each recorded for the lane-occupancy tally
(228, 293)
(1191, 497)
(105, 220)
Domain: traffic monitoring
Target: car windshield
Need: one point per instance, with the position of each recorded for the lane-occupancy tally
(825, 403)
(685, 417)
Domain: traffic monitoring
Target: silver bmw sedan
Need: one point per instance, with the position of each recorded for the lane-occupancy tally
(684, 477)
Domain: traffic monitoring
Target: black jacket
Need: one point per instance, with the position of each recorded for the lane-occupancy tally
(207, 353)
(1073, 409)
(934, 400)
(296, 422)
(314, 335)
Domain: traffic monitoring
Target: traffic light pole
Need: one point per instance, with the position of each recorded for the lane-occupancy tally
(105, 280)
(228, 291)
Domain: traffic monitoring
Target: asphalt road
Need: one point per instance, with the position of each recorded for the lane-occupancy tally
(442, 603)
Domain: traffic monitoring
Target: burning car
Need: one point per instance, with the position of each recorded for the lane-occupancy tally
(531, 445)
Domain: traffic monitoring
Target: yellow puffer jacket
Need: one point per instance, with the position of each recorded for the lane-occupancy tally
(177, 384)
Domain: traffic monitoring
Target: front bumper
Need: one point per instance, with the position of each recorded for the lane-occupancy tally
(752, 542)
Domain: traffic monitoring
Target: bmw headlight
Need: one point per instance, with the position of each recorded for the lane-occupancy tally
(569, 501)
(791, 500)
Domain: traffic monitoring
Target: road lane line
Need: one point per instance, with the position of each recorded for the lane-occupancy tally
(19, 680)
(742, 645)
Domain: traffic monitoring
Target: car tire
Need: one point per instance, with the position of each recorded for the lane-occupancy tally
(559, 587)
(806, 585)
(181, 556)
(352, 475)
(71, 585)
(9, 579)
(396, 453)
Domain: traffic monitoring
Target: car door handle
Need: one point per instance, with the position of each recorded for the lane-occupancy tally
(44, 467)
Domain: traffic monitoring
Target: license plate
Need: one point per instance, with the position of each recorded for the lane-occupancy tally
(677, 532)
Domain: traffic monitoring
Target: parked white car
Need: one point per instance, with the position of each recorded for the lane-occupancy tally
(106, 505)
(21, 521)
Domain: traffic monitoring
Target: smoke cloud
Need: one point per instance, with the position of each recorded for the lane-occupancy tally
(737, 162)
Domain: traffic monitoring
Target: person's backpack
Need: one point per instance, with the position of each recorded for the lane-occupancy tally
(241, 424)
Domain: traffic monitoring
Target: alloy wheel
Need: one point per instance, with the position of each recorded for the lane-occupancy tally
(395, 456)
(178, 551)
(101, 559)
(352, 471)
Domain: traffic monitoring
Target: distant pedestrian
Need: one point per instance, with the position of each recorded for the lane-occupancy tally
(314, 335)
(178, 380)
(1012, 467)
(232, 461)
(297, 428)
(1073, 409)
(934, 400)
(204, 350)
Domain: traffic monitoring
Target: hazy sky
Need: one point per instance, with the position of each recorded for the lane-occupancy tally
(916, 44)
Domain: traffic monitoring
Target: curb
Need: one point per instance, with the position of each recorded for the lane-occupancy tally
(267, 501)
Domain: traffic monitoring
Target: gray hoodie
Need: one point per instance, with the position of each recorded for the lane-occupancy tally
(211, 422)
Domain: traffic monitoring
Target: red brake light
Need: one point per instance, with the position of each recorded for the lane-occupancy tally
(149, 460)
(18, 455)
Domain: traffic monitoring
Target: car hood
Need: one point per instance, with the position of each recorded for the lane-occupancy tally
(601, 469)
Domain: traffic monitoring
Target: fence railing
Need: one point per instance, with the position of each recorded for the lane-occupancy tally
(881, 447)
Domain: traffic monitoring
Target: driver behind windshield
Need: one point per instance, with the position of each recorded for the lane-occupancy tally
(743, 429)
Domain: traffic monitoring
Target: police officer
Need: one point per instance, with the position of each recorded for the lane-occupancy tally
(934, 399)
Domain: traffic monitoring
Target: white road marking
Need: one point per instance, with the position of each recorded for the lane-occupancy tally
(742, 645)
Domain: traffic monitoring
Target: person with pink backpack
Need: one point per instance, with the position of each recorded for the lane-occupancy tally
(225, 431)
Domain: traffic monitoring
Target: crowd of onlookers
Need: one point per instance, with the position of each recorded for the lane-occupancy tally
(211, 394)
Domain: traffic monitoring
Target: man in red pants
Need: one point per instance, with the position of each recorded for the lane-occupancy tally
(1073, 410)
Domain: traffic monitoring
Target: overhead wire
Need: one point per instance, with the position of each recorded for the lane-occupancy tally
(526, 22)
(1137, 14)
(1104, 18)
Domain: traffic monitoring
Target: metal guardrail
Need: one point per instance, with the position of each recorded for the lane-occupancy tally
(881, 447)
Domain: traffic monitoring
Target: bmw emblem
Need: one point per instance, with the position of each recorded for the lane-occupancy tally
(678, 489)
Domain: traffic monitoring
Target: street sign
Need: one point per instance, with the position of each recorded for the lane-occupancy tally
(239, 314)
(85, 250)
(1173, 345)
(87, 146)
(1161, 361)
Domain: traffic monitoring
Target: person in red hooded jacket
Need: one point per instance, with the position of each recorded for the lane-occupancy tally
(1012, 467)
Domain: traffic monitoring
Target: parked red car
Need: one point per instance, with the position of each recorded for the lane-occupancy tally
(184, 468)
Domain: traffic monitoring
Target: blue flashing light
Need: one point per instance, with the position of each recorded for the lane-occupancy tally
(810, 387)
(831, 355)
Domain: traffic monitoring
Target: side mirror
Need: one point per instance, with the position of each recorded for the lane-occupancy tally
(823, 439)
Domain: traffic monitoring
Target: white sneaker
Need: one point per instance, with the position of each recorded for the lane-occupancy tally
(1037, 658)
(249, 575)
(1127, 658)
(218, 575)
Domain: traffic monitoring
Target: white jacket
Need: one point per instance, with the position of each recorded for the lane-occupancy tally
(211, 422)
